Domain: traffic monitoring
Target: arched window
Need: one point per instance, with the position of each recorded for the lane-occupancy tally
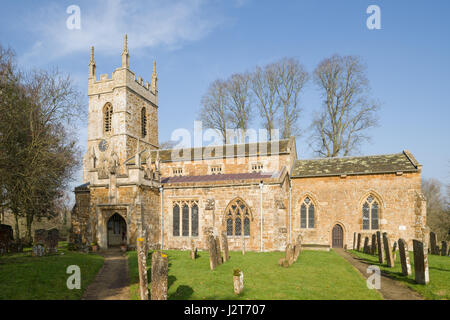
(307, 213)
(194, 220)
(370, 213)
(176, 220)
(237, 218)
(107, 117)
(143, 122)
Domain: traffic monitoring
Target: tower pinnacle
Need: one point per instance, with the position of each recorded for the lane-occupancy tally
(125, 54)
(154, 78)
(92, 65)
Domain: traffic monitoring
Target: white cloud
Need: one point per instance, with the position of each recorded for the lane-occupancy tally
(104, 22)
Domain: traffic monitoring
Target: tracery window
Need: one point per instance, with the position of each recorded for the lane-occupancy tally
(307, 213)
(185, 224)
(237, 218)
(107, 117)
(370, 213)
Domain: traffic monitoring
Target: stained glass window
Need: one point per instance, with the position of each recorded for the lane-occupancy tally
(237, 227)
(303, 216)
(370, 214)
(238, 218)
(307, 214)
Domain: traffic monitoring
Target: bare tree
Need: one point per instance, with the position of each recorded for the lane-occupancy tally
(438, 213)
(292, 79)
(340, 127)
(37, 141)
(214, 112)
(265, 83)
(239, 102)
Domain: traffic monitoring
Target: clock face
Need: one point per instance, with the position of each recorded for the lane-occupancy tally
(103, 145)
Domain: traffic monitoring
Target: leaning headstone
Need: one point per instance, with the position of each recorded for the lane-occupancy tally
(226, 255)
(420, 262)
(238, 281)
(444, 248)
(366, 245)
(373, 248)
(358, 245)
(160, 276)
(142, 264)
(219, 256)
(354, 240)
(212, 252)
(387, 250)
(433, 244)
(404, 257)
(290, 254)
(297, 247)
(380, 247)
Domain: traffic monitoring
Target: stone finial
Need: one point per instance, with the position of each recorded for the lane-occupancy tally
(154, 78)
(92, 64)
(125, 54)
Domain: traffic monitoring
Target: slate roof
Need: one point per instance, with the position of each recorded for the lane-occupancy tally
(209, 152)
(389, 163)
(220, 177)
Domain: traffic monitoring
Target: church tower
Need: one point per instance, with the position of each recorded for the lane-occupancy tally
(123, 112)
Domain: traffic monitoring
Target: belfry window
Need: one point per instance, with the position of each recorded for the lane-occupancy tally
(370, 213)
(237, 218)
(143, 122)
(107, 117)
(307, 213)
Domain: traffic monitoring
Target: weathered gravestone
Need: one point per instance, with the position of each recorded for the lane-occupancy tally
(394, 251)
(288, 260)
(380, 247)
(40, 239)
(404, 257)
(358, 245)
(387, 250)
(297, 247)
(160, 276)
(219, 256)
(193, 250)
(420, 262)
(354, 240)
(6, 238)
(226, 255)
(51, 243)
(142, 265)
(444, 248)
(212, 252)
(238, 281)
(433, 244)
(366, 245)
(373, 248)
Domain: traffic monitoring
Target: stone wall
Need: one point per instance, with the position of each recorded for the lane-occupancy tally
(339, 200)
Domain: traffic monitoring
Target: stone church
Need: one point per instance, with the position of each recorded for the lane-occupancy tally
(259, 194)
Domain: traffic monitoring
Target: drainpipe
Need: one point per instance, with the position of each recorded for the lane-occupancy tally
(261, 209)
(161, 196)
(290, 195)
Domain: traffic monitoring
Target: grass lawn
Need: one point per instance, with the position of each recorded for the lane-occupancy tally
(316, 275)
(23, 277)
(439, 270)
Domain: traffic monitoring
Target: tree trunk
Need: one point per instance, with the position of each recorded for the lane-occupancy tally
(28, 236)
(16, 216)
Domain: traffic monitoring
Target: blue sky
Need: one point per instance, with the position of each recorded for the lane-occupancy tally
(196, 42)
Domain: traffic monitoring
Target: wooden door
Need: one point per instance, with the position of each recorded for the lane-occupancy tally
(338, 237)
